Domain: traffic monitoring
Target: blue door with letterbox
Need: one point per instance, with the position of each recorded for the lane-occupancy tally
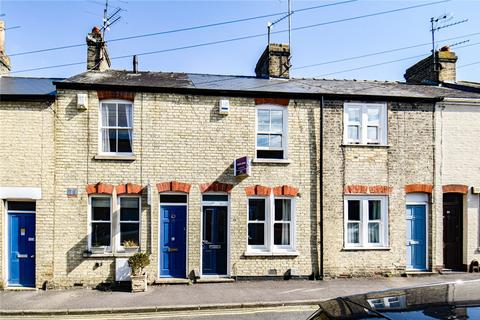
(173, 241)
(416, 237)
(21, 244)
(214, 242)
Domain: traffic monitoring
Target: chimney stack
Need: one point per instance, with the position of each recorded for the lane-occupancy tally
(4, 59)
(423, 71)
(97, 51)
(274, 62)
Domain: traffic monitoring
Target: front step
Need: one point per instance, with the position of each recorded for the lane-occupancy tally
(214, 280)
(420, 273)
(172, 281)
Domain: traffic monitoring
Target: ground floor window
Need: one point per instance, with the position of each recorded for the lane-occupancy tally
(271, 224)
(366, 223)
(129, 221)
(100, 221)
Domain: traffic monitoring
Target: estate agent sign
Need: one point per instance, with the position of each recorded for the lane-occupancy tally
(242, 166)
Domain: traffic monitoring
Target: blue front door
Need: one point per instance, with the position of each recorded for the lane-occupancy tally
(214, 242)
(173, 241)
(416, 237)
(21, 249)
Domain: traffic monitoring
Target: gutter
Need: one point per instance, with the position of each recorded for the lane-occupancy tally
(462, 100)
(322, 271)
(27, 97)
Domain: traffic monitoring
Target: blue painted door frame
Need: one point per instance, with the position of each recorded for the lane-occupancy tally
(214, 240)
(21, 249)
(173, 241)
(416, 237)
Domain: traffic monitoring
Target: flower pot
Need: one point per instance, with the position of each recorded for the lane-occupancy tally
(130, 250)
(139, 283)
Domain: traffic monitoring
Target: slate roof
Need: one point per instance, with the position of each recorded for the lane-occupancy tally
(174, 81)
(27, 87)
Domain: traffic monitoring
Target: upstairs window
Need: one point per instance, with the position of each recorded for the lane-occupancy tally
(271, 132)
(365, 123)
(116, 127)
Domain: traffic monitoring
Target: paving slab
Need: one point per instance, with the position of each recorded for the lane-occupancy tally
(212, 295)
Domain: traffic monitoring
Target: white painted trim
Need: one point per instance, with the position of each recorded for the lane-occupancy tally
(109, 155)
(26, 193)
(6, 242)
(284, 109)
(421, 199)
(363, 229)
(363, 137)
(229, 243)
(185, 204)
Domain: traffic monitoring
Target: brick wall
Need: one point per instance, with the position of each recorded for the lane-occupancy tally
(407, 159)
(26, 160)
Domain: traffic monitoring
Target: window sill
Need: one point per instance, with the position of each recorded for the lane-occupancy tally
(270, 253)
(115, 157)
(107, 255)
(360, 145)
(365, 248)
(275, 161)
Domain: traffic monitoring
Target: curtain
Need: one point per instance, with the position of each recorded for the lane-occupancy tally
(105, 132)
(286, 226)
(128, 113)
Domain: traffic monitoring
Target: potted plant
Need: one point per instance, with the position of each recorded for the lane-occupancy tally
(130, 246)
(138, 277)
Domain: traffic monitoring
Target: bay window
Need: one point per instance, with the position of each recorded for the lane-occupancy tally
(366, 221)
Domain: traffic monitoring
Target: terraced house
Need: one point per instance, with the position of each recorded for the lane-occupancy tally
(219, 177)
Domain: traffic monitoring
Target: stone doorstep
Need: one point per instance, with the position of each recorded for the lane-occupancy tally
(20, 289)
(172, 281)
(420, 273)
(214, 280)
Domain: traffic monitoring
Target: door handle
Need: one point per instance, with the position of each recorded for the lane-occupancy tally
(19, 255)
(32, 256)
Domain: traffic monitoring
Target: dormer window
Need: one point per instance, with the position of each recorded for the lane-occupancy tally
(116, 127)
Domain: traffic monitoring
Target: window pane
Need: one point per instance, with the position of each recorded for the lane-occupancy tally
(373, 232)
(262, 140)
(277, 121)
(354, 210)
(353, 132)
(215, 197)
(270, 154)
(173, 198)
(374, 208)
(21, 206)
(129, 209)
(109, 115)
(256, 209)
(124, 115)
(105, 140)
(101, 209)
(275, 140)
(353, 232)
(129, 231)
(282, 209)
(124, 140)
(263, 120)
(281, 234)
(353, 114)
(372, 133)
(112, 139)
(256, 232)
(100, 234)
(373, 115)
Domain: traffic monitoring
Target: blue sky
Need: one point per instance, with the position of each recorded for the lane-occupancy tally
(46, 24)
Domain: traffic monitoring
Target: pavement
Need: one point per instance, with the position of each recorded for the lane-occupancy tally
(205, 296)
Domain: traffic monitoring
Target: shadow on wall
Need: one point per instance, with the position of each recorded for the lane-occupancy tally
(75, 254)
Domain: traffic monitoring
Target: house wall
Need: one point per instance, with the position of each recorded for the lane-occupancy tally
(406, 159)
(458, 148)
(26, 160)
(183, 138)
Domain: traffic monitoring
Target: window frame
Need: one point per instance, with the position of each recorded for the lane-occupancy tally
(364, 221)
(363, 124)
(101, 127)
(117, 235)
(108, 249)
(284, 133)
(269, 246)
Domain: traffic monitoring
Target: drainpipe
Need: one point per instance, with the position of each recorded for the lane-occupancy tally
(320, 168)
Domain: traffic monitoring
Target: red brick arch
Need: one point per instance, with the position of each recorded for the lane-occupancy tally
(174, 186)
(258, 190)
(129, 188)
(418, 187)
(216, 187)
(455, 188)
(99, 188)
